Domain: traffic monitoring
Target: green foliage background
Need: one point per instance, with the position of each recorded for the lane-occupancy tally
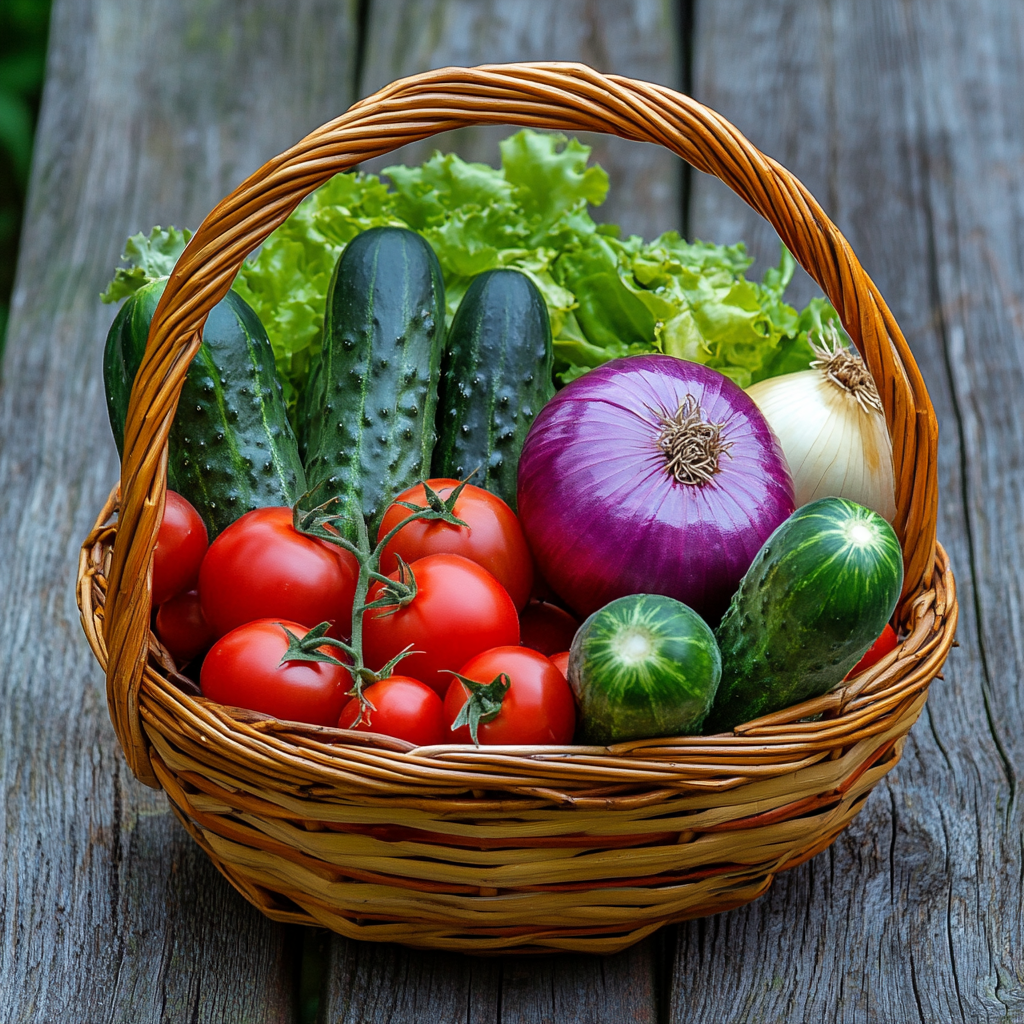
(24, 25)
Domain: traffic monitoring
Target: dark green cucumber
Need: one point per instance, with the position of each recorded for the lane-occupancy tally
(122, 354)
(815, 598)
(368, 426)
(495, 378)
(305, 413)
(643, 666)
(230, 447)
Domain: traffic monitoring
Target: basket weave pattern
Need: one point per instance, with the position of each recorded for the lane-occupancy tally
(581, 848)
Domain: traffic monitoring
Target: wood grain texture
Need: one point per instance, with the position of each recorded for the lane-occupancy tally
(907, 122)
(369, 984)
(638, 38)
(152, 112)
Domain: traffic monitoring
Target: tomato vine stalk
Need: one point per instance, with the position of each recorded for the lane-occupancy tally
(322, 522)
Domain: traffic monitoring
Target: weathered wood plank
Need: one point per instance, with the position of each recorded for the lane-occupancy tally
(152, 112)
(367, 984)
(906, 121)
(639, 39)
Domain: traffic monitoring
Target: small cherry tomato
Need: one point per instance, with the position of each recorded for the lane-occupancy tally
(538, 706)
(492, 536)
(180, 546)
(459, 610)
(261, 567)
(404, 708)
(181, 627)
(244, 669)
(546, 627)
(878, 650)
(561, 662)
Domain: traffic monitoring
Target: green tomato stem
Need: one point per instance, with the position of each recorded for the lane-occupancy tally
(315, 522)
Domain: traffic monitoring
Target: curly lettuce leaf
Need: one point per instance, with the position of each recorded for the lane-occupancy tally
(687, 299)
(148, 257)
(521, 215)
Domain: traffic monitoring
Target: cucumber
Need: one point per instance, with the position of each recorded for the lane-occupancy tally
(495, 378)
(230, 447)
(122, 354)
(815, 598)
(643, 666)
(368, 419)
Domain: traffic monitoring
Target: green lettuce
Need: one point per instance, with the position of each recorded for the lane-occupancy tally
(607, 296)
(148, 257)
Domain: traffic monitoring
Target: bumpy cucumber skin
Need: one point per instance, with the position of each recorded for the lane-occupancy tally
(495, 378)
(305, 412)
(122, 354)
(810, 605)
(666, 694)
(369, 427)
(231, 446)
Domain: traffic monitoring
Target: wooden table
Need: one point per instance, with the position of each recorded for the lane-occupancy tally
(907, 122)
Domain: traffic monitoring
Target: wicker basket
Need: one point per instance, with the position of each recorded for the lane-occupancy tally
(514, 848)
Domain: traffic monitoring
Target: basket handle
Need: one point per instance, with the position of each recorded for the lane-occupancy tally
(564, 97)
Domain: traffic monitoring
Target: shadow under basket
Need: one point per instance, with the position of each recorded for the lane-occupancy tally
(499, 849)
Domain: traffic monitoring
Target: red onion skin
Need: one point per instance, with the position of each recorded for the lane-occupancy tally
(603, 516)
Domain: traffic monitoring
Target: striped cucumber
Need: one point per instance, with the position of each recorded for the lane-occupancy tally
(496, 377)
(122, 354)
(230, 447)
(815, 598)
(368, 417)
(643, 666)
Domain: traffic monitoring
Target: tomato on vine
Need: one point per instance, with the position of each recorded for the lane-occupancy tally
(510, 695)
(180, 547)
(492, 536)
(262, 567)
(878, 650)
(546, 628)
(402, 707)
(561, 662)
(181, 627)
(278, 668)
(453, 610)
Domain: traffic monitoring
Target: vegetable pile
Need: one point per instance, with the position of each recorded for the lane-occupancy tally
(457, 464)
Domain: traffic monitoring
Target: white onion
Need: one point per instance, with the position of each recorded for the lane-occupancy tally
(830, 424)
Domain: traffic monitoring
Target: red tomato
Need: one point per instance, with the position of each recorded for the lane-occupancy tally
(260, 567)
(243, 669)
(494, 538)
(538, 707)
(561, 662)
(459, 610)
(405, 708)
(182, 628)
(881, 647)
(546, 627)
(180, 546)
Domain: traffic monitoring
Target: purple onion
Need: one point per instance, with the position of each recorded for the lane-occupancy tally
(606, 516)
